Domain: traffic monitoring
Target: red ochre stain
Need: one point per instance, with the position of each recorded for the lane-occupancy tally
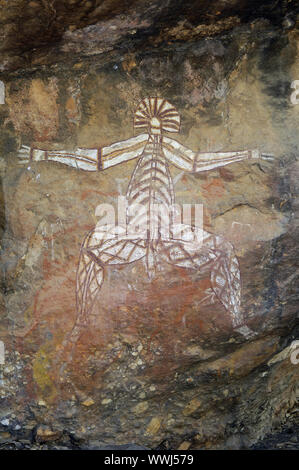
(214, 188)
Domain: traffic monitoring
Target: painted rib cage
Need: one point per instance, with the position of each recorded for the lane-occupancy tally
(150, 195)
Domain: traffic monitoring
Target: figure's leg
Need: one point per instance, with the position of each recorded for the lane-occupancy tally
(90, 276)
(210, 253)
(226, 279)
(100, 248)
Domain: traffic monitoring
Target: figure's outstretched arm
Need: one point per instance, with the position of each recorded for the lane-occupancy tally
(187, 160)
(89, 159)
(83, 159)
(209, 160)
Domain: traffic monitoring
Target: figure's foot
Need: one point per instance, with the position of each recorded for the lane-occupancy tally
(246, 332)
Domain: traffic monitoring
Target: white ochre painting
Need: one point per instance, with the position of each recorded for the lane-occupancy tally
(145, 235)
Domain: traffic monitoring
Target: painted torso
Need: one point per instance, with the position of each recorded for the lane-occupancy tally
(150, 186)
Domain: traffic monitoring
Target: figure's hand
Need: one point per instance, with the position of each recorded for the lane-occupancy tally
(23, 154)
(256, 154)
(27, 154)
(267, 156)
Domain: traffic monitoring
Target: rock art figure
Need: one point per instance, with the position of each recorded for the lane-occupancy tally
(150, 187)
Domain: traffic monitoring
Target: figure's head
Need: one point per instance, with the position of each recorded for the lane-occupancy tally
(155, 126)
(156, 115)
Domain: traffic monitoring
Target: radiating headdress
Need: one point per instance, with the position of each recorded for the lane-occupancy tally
(152, 112)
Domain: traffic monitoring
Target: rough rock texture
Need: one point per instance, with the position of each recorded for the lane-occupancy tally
(158, 366)
(43, 32)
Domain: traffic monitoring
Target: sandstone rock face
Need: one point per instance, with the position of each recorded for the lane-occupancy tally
(160, 363)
